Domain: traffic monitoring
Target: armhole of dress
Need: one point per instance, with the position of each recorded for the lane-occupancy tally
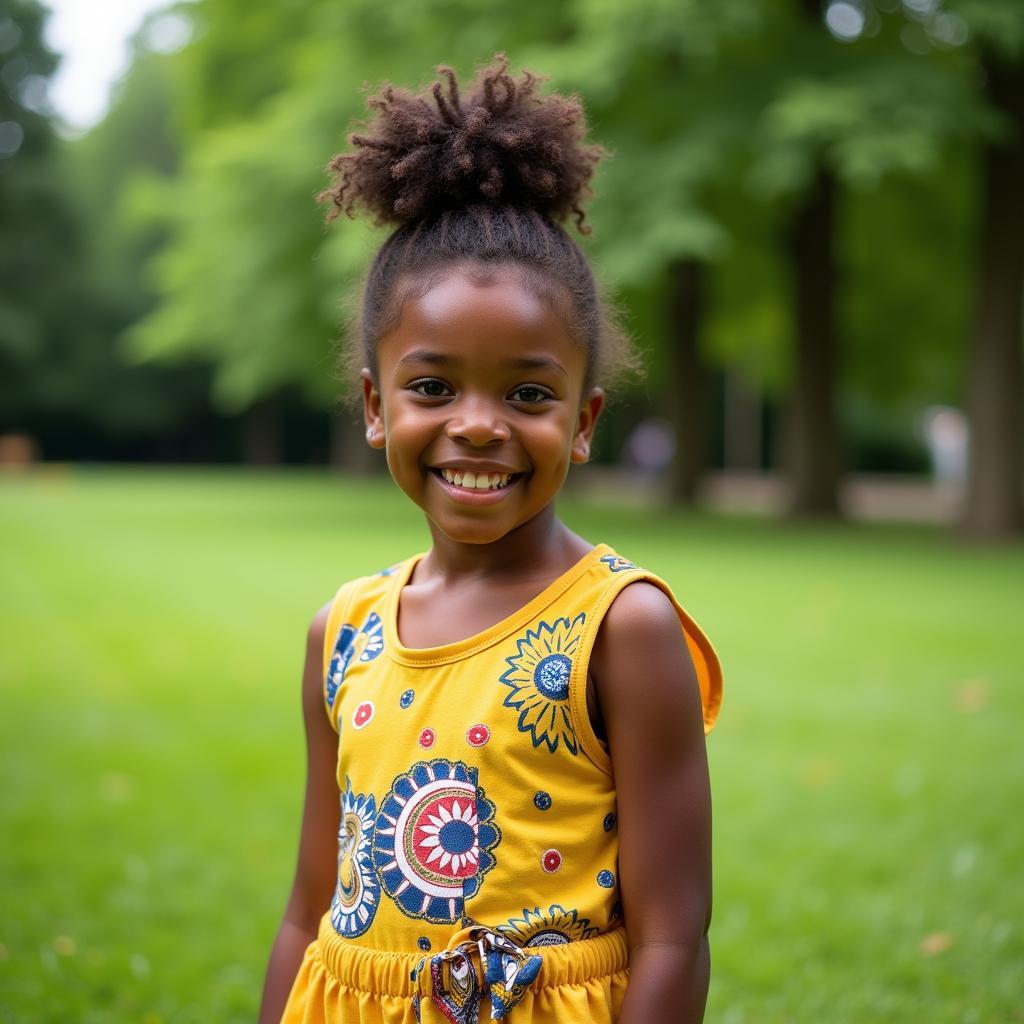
(335, 620)
(705, 662)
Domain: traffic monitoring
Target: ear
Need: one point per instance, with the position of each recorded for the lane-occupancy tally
(372, 413)
(590, 410)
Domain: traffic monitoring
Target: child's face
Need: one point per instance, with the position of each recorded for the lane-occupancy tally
(480, 376)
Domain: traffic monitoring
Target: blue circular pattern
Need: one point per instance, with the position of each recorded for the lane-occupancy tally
(424, 943)
(456, 836)
(357, 891)
(406, 699)
(542, 800)
(551, 676)
(605, 879)
(433, 840)
(609, 822)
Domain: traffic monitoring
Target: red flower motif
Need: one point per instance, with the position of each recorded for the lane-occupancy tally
(427, 738)
(551, 861)
(362, 714)
(478, 735)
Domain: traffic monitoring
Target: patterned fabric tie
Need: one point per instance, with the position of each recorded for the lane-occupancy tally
(508, 971)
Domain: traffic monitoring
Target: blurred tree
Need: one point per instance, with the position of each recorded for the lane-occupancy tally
(71, 278)
(995, 393)
(852, 107)
(113, 176)
(37, 235)
(669, 94)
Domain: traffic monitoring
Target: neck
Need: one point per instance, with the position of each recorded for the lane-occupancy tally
(540, 544)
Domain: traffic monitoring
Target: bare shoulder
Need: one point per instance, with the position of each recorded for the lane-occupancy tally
(641, 606)
(640, 618)
(641, 639)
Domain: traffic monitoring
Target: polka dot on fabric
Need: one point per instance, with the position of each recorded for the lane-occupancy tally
(605, 879)
(363, 714)
(424, 943)
(427, 738)
(406, 699)
(478, 735)
(551, 861)
(609, 822)
(542, 800)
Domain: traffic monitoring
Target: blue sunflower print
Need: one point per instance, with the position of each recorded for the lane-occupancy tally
(616, 563)
(538, 676)
(364, 643)
(357, 892)
(555, 926)
(434, 838)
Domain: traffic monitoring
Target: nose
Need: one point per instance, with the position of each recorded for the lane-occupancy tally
(478, 422)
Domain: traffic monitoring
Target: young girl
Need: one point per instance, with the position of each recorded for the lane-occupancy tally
(515, 719)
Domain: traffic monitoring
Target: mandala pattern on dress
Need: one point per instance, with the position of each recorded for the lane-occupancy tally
(357, 892)
(364, 643)
(553, 927)
(538, 676)
(434, 838)
(616, 563)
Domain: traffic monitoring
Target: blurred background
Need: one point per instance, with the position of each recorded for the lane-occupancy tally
(812, 221)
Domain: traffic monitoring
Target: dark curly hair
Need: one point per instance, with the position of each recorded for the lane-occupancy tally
(481, 179)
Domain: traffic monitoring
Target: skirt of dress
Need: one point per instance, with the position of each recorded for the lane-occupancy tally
(342, 983)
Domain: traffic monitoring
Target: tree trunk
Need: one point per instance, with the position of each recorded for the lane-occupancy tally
(687, 379)
(261, 433)
(995, 395)
(813, 457)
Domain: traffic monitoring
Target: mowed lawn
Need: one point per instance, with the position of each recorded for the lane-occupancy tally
(868, 768)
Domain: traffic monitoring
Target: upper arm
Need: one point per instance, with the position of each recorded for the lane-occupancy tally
(650, 700)
(317, 862)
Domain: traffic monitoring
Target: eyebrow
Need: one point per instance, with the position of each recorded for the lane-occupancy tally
(423, 355)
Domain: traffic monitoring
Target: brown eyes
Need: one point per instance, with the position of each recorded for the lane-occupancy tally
(530, 394)
(432, 387)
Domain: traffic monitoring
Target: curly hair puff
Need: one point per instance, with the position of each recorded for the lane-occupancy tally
(484, 178)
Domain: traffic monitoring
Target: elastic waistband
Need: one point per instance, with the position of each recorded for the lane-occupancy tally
(387, 973)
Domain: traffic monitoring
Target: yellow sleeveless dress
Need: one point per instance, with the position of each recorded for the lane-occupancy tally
(477, 854)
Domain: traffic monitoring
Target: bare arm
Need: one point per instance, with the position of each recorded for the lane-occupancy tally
(650, 700)
(317, 864)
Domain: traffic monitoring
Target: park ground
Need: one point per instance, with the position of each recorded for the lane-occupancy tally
(867, 768)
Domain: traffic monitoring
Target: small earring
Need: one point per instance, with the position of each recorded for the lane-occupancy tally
(370, 433)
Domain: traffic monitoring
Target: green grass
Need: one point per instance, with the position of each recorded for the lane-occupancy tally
(868, 769)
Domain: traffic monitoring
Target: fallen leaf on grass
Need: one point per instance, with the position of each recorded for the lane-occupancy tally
(971, 696)
(936, 943)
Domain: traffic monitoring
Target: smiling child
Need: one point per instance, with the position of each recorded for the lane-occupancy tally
(507, 805)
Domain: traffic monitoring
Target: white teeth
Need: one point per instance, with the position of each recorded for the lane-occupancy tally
(476, 481)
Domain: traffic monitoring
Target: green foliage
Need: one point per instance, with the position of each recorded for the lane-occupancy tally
(203, 241)
(38, 240)
(862, 768)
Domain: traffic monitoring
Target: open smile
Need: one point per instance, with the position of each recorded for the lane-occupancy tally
(476, 488)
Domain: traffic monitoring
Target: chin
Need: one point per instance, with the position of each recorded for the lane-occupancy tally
(472, 533)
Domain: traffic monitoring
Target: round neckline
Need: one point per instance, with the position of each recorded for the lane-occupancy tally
(479, 641)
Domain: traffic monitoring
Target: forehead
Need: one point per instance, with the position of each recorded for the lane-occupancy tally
(480, 319)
